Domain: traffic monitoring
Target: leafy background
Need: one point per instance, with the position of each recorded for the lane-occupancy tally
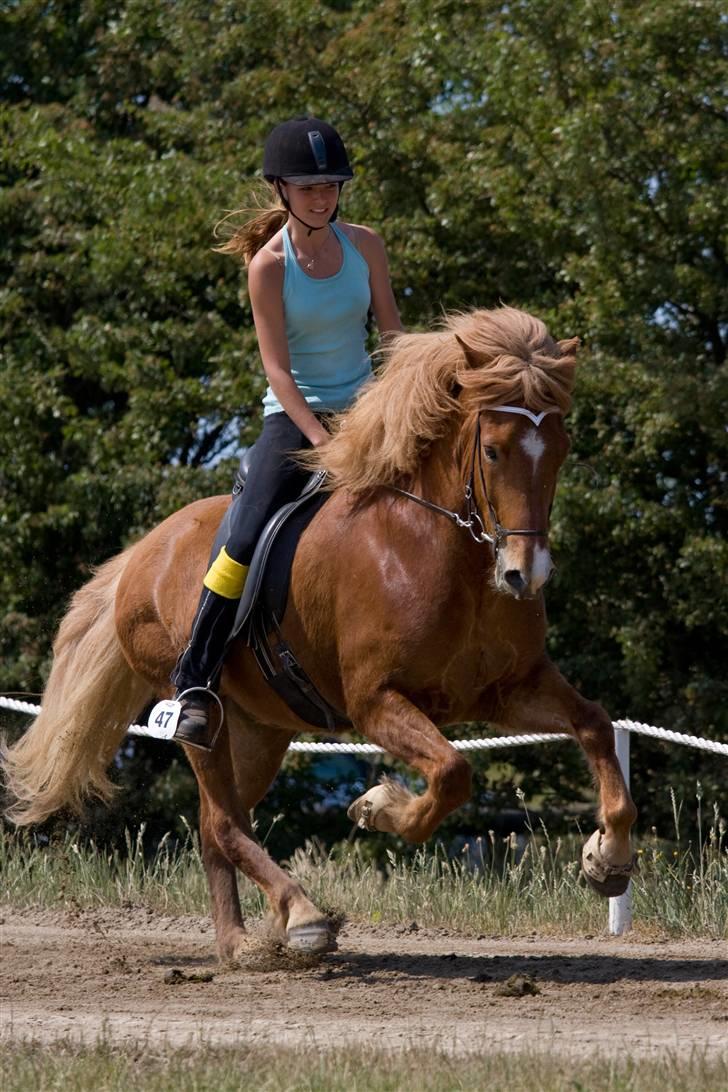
(565, 156)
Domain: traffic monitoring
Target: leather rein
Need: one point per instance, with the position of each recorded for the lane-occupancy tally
(473, 521)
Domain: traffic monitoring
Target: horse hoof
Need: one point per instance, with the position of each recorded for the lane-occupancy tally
(607, 880)
(360, 812)
(234, 947)
(314, 939)
(379, 808)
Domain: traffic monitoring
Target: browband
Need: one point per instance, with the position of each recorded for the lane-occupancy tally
(537, 418)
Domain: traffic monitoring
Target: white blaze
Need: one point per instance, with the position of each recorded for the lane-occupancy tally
(541, 569)
(533, 445)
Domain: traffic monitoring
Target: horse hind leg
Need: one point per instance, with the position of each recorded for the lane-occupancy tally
(222, 883)
(220, 871)
(233, 778)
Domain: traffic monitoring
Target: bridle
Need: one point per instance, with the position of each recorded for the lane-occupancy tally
(473, 521)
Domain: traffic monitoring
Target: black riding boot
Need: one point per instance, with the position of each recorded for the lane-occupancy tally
(198, 669)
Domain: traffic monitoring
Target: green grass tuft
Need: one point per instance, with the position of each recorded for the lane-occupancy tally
(680, 890)
(147, 1068)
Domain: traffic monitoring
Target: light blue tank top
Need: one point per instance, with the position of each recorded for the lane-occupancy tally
(326, 331)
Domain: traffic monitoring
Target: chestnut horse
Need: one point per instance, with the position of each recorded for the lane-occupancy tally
(415, 603)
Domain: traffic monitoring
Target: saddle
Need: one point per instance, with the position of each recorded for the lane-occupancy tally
(263, 603)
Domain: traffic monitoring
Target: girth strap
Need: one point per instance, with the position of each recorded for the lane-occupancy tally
(286, 677)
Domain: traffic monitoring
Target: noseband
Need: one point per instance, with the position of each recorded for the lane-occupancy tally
(473, 521)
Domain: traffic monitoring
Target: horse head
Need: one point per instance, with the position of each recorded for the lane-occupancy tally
(518, 457)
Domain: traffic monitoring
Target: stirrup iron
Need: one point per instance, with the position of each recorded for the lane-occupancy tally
(163, 720)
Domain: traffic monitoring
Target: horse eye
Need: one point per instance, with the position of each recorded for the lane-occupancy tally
(491, 454)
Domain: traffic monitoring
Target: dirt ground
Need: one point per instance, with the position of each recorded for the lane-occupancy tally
(129, 976)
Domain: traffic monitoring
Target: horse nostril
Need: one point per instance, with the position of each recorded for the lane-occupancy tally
(514, 579)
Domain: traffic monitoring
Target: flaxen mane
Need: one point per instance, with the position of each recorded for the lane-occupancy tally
(430, 382)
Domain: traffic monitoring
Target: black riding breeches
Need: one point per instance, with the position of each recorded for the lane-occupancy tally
(273, 480)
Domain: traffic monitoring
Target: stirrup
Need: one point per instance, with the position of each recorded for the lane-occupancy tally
(199, 735)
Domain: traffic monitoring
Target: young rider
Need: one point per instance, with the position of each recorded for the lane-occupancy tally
(312, 283)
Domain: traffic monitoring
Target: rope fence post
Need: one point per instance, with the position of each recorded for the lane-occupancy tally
(620, 908)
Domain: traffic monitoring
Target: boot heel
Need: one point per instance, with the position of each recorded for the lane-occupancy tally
(193, 727)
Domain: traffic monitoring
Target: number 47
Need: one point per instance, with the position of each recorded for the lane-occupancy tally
(163, 718)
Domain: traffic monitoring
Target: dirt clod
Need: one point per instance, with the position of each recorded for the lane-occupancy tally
(518, 985)
(174, 976)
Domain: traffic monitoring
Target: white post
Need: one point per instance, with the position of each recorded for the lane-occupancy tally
(620, 908)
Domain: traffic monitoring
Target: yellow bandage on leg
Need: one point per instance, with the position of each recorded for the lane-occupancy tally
(225, 576)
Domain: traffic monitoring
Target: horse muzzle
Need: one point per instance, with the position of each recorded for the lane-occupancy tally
(523, 577)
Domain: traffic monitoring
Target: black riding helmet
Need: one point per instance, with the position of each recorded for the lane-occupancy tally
(305, 151)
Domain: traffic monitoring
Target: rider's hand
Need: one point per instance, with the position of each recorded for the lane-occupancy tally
(321, 437)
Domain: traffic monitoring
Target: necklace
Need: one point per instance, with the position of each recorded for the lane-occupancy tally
(309, 260)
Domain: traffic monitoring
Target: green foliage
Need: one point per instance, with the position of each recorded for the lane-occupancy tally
(567, 157)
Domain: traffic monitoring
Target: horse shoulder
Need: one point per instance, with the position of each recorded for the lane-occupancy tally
(363, 583)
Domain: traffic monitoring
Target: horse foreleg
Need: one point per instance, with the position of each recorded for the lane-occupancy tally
(232, 778)
(394, 723)
(546, 702)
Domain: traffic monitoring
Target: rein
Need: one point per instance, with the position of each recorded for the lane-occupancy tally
(473, 521)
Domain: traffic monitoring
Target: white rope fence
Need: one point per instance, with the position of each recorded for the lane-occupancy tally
(633, 726)
(312, 747)
(620, 908)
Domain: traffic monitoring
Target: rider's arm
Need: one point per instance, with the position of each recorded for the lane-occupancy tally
(265, 287)
(383, 302)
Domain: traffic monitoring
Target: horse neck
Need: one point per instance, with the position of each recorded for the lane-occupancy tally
(453, 558)
(443, 472)
(437, 478)
(441, 478)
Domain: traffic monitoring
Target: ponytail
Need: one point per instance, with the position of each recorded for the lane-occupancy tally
(262, 221)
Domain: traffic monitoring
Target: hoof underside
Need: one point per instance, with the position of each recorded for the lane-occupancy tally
(311, 939)
(379, 807)
(607, 879)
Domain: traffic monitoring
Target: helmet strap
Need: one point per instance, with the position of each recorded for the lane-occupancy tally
(311, 228)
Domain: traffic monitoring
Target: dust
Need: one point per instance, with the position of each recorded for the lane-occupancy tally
(133, 977)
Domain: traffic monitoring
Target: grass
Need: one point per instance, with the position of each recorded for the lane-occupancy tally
(680, 890)
(106, 1068)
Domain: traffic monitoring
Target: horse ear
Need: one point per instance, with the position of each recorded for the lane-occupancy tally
(470, 356)
(569, 346)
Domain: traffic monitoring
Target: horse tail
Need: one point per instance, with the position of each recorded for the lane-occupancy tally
(91, 696)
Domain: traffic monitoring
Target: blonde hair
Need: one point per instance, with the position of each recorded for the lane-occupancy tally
(263, 218)
(431, 383)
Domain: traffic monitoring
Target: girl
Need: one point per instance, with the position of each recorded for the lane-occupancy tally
(311, 285)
